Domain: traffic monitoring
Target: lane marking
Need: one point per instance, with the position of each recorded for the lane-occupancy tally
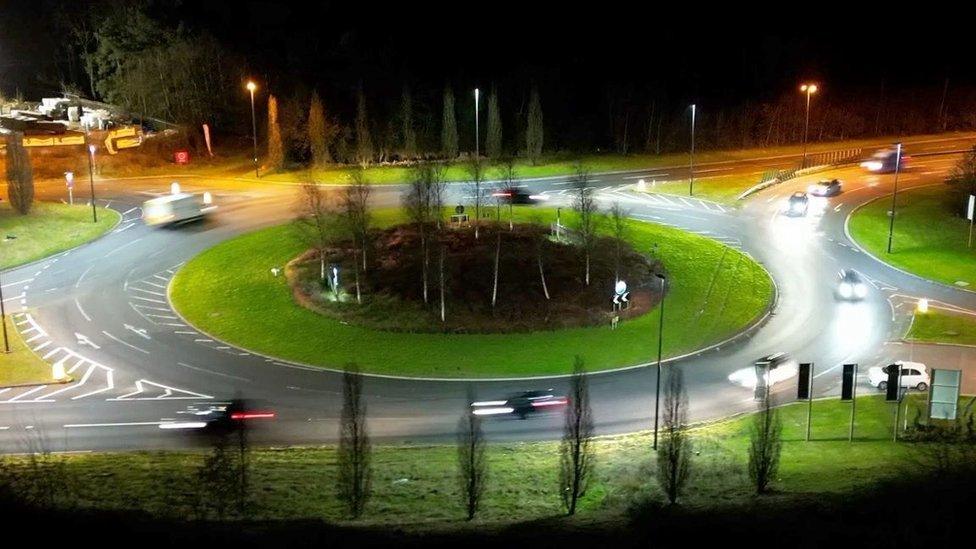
(197, 368)
(127, 344)
(82, 311)
(120, 424)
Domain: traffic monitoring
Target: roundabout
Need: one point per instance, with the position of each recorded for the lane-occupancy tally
(714, 293)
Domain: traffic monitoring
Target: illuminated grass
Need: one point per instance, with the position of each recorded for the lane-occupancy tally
(246, 306)
(21, 366)
(940, 327)
(928, 240)
(50, 228)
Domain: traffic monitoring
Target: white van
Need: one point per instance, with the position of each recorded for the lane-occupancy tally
(175, 208)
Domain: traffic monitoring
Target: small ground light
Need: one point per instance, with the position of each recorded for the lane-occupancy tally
(57, 372)
(922, 306)
(641, 185)
(174, 188)
(207, 198)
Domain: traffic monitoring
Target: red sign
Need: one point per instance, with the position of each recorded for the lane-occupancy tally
(181, 157)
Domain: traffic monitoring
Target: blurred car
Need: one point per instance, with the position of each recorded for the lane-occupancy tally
(826, 187)
(913, 374)
(776, 367)
(797, 204)
(851, 286)
(176, 208)
(517, 195)
(884, 161)
(219, 416)
(521, 405)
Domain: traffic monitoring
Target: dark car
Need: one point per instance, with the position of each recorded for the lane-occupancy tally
(221, 416)
(798, 204)
(885, 161)
(521, 405)
(826, 187)
(851, 287)
(516, 195)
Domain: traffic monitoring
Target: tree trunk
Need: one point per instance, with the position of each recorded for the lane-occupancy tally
(542, 276)
(494, 290)
(587, 267)
(359, 297)
(443, 312)
(321, 265)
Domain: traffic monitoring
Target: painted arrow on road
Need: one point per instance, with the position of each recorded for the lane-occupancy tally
(83, 340)
(140, 331)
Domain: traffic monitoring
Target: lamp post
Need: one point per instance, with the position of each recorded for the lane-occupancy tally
(3, 320)
(808, 89)
(477, 134)
(660, 347)
(251, 86)
(691, 167)
(894, 195)
(91, 180)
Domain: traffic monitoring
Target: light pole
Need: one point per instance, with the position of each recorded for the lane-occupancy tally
(251, 86)
(477, 134)
(691, 167)
(91, 180)
(3, 320)
(894, 195)
(660, 348)
(808, 89)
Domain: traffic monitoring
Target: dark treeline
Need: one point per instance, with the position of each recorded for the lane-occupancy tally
(383, 76)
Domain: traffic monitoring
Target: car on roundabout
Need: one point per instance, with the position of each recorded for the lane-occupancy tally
(826, 187)
(776, 368)
(914, 375)
(219, 417)
(517, 195)
(851, 286)
(798, 204)
(521, 405)
(886, 161)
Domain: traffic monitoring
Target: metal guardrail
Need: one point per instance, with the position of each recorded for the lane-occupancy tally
(818, 161)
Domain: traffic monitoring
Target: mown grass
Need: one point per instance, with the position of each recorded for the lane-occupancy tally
(941, 327)
(715, 291)
(50, 228)
(928, 240)
(416, 486)
(21, 365)
(723, 189)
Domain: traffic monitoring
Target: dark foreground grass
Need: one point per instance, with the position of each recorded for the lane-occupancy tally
(416, 486)
(49, 229)
(715, 292)
(928, 240)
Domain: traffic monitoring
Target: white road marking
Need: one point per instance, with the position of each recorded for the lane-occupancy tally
(18, 283)
(82, 311)
(122, 247)
(120, 424)
(185, 365)
(140, 331)
(83, 340)
(127, 344)
(82, 277)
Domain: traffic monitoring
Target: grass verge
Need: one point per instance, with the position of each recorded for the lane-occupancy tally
(928, 240)
(416, 486)
(942, 327)
(229, 292)
(723, 189)
(21, 365)
(50, 228)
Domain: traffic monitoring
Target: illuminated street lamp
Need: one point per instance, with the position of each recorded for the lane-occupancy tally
(691, 167)
(477, 134)
(91, 180)
(808, 89)
(251, 86)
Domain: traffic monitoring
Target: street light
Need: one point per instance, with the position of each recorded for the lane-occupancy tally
(477, 134)
(894, 195)
(691, 168)
(660, 347)
(91, 180)
(808, 89)
(251, 86)
(3, 320)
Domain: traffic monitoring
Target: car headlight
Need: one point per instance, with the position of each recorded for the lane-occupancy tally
(872, 165)
(845, 290)
(860, 290)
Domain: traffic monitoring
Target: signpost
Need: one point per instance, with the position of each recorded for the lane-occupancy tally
(804, 391)
(944, 394)
(848, 391)
(181, 157)
(620, 295)
(69, 180)
(970, 214)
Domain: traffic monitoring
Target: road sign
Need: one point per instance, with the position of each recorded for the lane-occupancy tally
(971, 208)
(944, 393)
(181, 156)
(69, 180)
(459, 209)
(893, 383)
(621, 298)
(848, 379)
(804, 382)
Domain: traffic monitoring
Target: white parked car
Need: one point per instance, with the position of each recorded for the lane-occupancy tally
(913, 375)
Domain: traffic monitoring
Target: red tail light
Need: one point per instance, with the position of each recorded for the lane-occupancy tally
(242, 416)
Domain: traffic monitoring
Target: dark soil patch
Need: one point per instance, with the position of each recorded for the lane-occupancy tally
(392, 288)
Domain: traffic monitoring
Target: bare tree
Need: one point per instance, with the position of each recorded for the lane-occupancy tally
(498, 253)
(585, 206)
(364, 137)
(355, 469)
(472, 460)
(478, 190)
(493, 141)
(315, 220)
(322, 131)
(442, 284)
(449, 133)
(618, 220)
(534, 127)
(218, 477)
(674, 452)
(962, 181)
(276, 146)
(355, 205)
(540, 251)
(423, 203)
(242, 492)
(508, 174)
(765, 445)
(575, 453)
(20, 174)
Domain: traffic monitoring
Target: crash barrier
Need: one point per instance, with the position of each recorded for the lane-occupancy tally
(818, 161)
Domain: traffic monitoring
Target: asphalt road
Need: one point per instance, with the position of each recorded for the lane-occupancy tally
(101, 311)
